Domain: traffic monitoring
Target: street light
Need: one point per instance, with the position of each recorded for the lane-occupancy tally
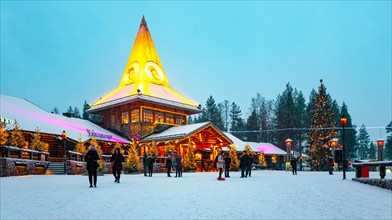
(380, 145)
(343, 123)
(64, 136)
(289, 142)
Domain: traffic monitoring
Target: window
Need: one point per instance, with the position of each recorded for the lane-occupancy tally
(135, 115)
(180, 120)
(112, 121)
(158, 116)
(124, 118)
(147, 115)
(169, 118)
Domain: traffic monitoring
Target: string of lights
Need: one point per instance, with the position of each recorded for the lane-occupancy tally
(307, 129)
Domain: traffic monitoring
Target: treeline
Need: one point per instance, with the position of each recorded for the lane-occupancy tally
(289, 115)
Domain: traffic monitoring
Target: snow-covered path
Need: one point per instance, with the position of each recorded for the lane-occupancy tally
(267, 195)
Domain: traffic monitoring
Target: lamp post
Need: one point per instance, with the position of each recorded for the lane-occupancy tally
(289, 142)
(343, 123)
(64, 137)
(380, 145)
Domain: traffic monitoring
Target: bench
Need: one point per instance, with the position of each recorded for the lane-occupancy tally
(381, 164)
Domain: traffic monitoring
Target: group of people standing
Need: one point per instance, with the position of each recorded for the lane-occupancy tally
(246, 162)
(92, 164)
(223, 162)
(174, 161)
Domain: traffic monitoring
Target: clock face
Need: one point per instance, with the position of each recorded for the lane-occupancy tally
(131, 72)
(155, 73)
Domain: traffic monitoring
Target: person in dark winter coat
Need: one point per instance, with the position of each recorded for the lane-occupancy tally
(92, 165)
(168, 164)
(178, 165)
(293, 164)
(243, 162)
(249, 166)
(331, 163)
(150, 164)
(227, 165)
(145, 164)
(117, 159)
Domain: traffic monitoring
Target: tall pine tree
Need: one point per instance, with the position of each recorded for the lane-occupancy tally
(213, 113)
(372, 153)
(252, 125)
(85, 115)
(363, 143)
(320, 134)
(388, 143)
(236, 122)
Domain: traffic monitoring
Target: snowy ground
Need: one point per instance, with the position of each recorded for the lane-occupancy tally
(267, 195)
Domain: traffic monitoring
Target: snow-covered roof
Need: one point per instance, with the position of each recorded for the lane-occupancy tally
(267, 148)
(177, 132)
(30, 116)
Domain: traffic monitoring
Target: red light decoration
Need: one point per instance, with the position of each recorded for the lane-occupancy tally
(64, 135)
(343, 122)
(380, 142)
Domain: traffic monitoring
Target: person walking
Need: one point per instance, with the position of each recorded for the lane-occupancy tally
(178, 164)
(243, 161)
(331, 163)
(117, 159)
(168, 164)
(145, 164)
(150, 164)
(249, 165)
(227, 165)
(91, 159)
(220, 164)
(293, 164)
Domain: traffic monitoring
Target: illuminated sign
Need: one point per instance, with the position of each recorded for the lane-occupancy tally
(98, 135)
(6, 121)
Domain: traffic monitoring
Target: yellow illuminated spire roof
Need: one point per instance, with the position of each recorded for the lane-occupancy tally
(144, 75)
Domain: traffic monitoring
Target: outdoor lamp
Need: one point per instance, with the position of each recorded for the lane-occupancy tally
(343, 123)
(380, 145)
(64, 135)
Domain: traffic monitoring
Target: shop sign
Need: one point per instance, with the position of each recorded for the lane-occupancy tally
(98, 135)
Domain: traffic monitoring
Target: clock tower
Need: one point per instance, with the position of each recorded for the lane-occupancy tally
(143, 99)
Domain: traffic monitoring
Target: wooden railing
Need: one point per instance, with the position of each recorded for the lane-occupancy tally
(22, 153)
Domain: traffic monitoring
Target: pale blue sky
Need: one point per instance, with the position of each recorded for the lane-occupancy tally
(62, 53)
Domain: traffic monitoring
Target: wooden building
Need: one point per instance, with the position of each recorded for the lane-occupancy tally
(144, 100)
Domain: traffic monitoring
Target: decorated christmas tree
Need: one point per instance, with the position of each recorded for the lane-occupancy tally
(3, 135)
(234, 164)
(132, 163)
(189, 159)
(80, 146)
(17, 139)
(120, 146)
(154, 149)
(262, 160)
(248, 149)
(37, 144)
(94, 142)
(322, 130)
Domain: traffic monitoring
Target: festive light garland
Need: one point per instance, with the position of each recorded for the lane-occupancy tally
(307, 129)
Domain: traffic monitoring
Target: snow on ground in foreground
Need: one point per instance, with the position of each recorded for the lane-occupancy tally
(267, 195)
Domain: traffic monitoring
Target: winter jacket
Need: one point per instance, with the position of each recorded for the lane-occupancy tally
(91, 159)
(244, 160)
(221, 162)
(117, 160)
(293, 162)
(227, 162)
(178, 162)
(168, 162)
(145, 161)
(150, 161)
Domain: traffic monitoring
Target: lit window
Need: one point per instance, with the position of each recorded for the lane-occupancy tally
(179, 120)
(112, 121)
(135, 115)
(147, 115)
(169, 118)
(124, 118)
(158, 116)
